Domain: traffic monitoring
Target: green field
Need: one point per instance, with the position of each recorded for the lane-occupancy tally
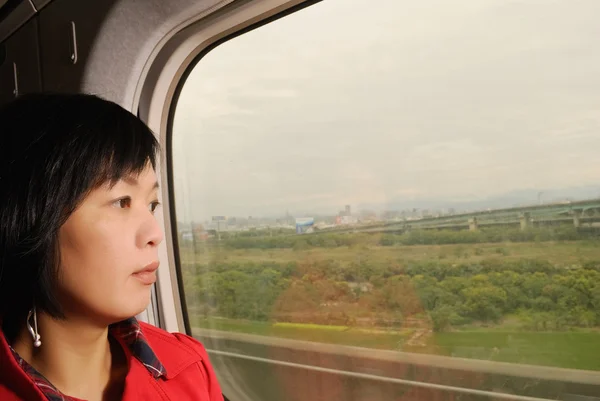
(574, 350)
(317, 333)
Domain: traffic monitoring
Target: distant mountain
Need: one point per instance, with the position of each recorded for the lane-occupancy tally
(523, 197)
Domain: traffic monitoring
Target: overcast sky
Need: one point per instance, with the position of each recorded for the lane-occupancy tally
(367, 102)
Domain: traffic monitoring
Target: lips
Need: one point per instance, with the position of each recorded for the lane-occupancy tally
(147, 275)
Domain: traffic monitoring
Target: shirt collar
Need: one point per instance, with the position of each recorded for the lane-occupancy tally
(129, 332)
(51, 392)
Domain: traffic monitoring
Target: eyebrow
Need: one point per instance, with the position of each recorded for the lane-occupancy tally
(133, 181)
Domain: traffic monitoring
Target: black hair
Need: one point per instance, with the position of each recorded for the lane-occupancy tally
(54, 150)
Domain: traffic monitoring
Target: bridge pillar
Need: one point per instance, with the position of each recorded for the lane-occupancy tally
(525, 220)
(577, 218)
(473, 226)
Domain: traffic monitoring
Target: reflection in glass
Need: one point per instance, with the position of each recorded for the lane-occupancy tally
(408, 177)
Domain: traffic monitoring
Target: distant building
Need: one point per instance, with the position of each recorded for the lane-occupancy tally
(346, 212)
(304, 225)
(348, 220)
(391, 214)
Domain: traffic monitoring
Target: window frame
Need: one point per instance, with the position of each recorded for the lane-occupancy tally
(156, 102)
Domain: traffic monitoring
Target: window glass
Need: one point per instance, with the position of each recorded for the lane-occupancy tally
(412, 178)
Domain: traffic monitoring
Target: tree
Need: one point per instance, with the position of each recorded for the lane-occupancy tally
(484, 303)
(444, 317)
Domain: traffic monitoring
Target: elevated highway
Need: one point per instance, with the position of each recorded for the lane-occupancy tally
(580, 214)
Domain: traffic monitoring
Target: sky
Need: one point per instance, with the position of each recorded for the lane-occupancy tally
(348, 102)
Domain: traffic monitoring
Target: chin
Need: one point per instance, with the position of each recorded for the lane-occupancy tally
(140, 307)
(132, 307)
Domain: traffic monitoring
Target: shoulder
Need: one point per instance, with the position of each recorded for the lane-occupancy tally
(174, 350)
(186, 362)
(15, 385)
(179, 340)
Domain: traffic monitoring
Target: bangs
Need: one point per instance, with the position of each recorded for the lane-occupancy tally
(111, 145)
(127, 150)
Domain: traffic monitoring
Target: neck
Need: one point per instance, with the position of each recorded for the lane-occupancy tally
(75, 356)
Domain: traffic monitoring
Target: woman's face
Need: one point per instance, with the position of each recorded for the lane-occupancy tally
(104, 245)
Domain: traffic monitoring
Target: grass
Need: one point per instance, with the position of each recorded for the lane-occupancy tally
(311, 326)
(339, 335)
(574, 350)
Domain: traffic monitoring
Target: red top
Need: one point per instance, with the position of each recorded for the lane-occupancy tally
(162, 366)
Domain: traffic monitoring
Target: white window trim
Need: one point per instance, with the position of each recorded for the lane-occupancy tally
(154, 98)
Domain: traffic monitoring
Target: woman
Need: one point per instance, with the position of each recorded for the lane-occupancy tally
(78, 256)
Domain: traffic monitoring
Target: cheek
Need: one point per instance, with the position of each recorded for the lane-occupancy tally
(94, 267)
(95, 249)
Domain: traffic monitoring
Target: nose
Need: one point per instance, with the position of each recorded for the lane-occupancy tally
(150, 233)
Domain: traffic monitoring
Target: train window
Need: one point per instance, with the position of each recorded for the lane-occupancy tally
(408, 191)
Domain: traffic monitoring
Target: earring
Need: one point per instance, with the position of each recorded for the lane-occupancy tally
(33, 330)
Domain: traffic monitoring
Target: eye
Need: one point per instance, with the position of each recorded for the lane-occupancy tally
(123, 202)
(154, 205)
